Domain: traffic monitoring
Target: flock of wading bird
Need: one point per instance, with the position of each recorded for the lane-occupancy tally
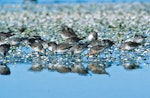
(72, 45)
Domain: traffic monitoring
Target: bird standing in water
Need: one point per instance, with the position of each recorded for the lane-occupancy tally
(95, 50)
(59, 48)
(129, 45)
(139, 39)
(37, 47)
(133, 43)
(92, 36)
(4, 36)
(67, 32)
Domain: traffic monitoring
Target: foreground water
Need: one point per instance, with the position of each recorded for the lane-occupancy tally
(116, 22)
(122, 83)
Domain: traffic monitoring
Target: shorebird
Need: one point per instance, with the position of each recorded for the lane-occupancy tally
(36, 67)
(32, 39)
(80, 69)
(22, 28)
(96, 69)
(4, 70)
(37, 47)
(45, 44)
(107, 42)
(36, 37)
(4, 48)
(77, 51)
(67, 32)
(94, 41)
(4, 36)
(139, 39)
(51, 46)
(92, 36)
(59, 48)
(104, 42)
(129, 45)
(15, 41)
(73, 40)
(78, 48)
(95, 50)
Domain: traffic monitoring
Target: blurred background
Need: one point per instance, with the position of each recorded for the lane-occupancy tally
(69, 1)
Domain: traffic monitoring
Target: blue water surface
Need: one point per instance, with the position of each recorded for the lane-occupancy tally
(121, 84)
(72, 1)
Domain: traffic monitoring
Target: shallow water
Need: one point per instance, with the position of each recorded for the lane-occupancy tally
(120, 82)
(23, 83)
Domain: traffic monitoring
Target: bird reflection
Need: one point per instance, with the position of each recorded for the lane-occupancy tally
(97, 69)
(4, 48)
(59, 68)
(36, 67)
(79, 68)
(131, 66)
(4, 69)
